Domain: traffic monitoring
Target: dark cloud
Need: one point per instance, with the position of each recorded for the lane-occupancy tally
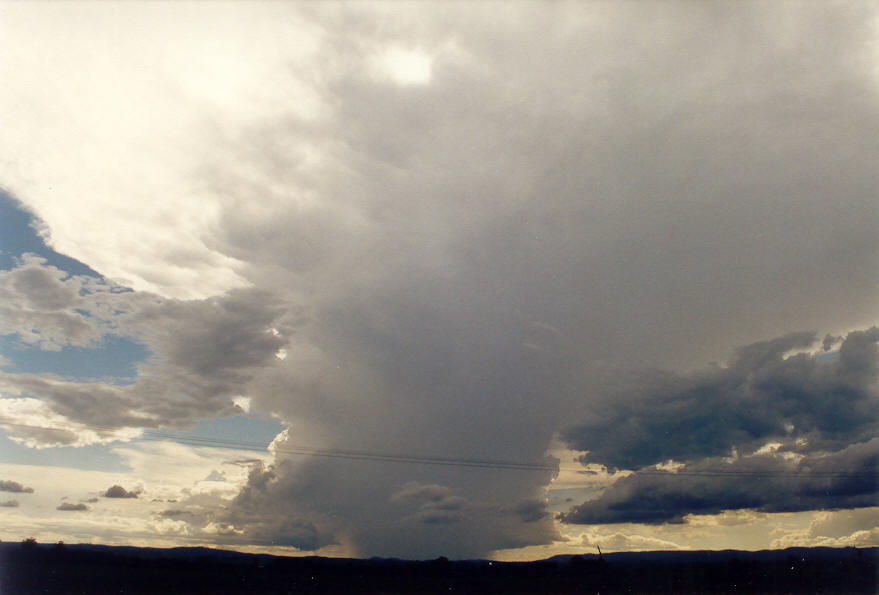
(760, 396)
(531, 510)
(72, 507)
(776, 430)
(14, 486)
(767, 483)
(255, 516)
(9, 504)
(118, 491)
(829, 341)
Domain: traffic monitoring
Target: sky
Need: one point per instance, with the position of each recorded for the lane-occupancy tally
(416, 279)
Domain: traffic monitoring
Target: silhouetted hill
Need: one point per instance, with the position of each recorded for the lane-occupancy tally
(83, 568)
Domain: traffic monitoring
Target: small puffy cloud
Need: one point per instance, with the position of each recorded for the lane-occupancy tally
(14, 486)
(72, 507)
(168, 526)
(9, 504)
(118, 491)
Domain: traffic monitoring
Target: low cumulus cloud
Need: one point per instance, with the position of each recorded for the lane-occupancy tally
(117, 491)
(72, 507)
(203, 354)
(9, 504)
(13, 486)
(857, 528)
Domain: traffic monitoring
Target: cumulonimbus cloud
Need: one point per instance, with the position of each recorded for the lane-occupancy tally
(460, 264)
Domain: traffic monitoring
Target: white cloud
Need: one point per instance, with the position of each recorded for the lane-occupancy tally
(838, 528)
(32, 422)
(202, 354)
(109, 110)
(161, 471)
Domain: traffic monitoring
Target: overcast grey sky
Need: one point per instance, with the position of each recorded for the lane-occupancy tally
(614, 233)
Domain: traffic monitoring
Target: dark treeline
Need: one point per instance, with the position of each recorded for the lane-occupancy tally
(58, 569)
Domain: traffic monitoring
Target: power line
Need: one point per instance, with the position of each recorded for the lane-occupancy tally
(209, 442)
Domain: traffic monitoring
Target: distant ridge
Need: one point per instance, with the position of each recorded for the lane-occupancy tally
(93, 568)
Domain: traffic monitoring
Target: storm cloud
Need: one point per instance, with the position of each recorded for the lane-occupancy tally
(463, 261)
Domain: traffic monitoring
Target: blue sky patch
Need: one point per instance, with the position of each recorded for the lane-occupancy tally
(18, 236)
(114, 357)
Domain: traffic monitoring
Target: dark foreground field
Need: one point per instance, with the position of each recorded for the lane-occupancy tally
(100, 569)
